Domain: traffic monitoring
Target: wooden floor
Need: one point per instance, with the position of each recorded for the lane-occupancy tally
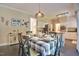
(68, 50)
(9, 50)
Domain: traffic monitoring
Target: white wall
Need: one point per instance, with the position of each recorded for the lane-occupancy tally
(77, 18)
(8, 14)
(70, 22)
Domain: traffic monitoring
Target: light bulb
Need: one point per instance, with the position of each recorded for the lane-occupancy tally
(39, 14)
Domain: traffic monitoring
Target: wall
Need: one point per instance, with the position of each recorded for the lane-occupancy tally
(4, 29)
(77, 14)
(9, 13)
(70, 23)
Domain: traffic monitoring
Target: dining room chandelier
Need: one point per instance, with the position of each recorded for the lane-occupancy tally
(39, 13)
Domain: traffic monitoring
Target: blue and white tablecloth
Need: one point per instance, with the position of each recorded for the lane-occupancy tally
(46, 47)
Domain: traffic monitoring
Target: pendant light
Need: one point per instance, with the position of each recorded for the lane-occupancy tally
(39, 13)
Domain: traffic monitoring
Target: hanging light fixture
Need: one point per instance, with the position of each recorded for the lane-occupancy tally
(39, 13)
(62, 14)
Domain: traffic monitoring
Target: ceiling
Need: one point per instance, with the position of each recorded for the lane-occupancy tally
(49, 9)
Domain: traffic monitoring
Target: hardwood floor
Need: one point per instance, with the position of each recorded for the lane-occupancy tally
(9, 50)
(68, 50)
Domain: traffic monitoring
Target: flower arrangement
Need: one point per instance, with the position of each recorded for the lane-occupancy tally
(62, 28)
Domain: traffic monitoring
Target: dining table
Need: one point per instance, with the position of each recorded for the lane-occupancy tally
(45, 46)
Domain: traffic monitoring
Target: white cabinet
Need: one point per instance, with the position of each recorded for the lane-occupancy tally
(71, 35)
(12, 38)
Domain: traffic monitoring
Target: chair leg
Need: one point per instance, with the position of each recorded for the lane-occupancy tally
(59, 53)
(19, 51)
(22, 52)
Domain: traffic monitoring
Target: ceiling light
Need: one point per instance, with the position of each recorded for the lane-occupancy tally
(39, 13)
(62, 14)
(74, 42)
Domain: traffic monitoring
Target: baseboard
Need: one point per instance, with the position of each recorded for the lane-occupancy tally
(5, 44)
(14, 44)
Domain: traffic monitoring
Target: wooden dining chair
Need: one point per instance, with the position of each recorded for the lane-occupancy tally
(23, 50)
(20, 44)
(58, 44)
(26, 45)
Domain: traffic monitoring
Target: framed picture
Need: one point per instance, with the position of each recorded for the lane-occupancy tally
(15, 22)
